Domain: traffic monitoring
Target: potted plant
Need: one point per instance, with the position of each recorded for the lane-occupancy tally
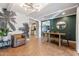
(7, 18)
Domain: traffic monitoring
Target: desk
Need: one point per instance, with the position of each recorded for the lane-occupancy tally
(56, 33)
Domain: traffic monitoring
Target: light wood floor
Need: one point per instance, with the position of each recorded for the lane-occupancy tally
(34, 47)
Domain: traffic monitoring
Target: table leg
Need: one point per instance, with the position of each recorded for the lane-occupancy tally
(59, 40)
(49, 37)
(45, 39)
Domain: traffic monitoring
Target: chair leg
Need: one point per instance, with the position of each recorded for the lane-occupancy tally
(68, 42)
(61, 41)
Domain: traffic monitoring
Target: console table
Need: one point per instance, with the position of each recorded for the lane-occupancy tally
(47, 34)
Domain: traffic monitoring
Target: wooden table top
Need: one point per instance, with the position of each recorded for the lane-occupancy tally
(57, 33)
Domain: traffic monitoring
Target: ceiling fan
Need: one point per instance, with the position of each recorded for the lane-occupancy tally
(8, 19)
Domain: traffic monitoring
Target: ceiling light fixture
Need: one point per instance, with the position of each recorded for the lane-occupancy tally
(32, 6)
(63, 13)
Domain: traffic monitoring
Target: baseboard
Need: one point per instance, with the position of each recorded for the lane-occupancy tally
(70, 41)
(78, 51)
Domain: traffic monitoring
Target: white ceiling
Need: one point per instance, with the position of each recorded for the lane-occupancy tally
(3, 5)
(53, 7)
(46, 10)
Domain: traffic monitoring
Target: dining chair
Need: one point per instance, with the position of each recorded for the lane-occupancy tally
(67, 37)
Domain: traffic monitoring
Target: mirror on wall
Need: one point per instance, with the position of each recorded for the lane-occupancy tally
(61, 25)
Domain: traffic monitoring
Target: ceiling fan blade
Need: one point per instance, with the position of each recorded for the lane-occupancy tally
(1, 14)
(12, 13)
(7, 13)
(12, 26)
(13, 20)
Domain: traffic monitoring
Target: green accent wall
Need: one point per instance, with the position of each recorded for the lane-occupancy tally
(70, 29)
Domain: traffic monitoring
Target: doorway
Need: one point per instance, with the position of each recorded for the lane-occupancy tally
(34, 28)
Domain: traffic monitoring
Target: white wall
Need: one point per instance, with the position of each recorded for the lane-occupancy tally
(39, 30)
(77, 30)
(20, 19)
